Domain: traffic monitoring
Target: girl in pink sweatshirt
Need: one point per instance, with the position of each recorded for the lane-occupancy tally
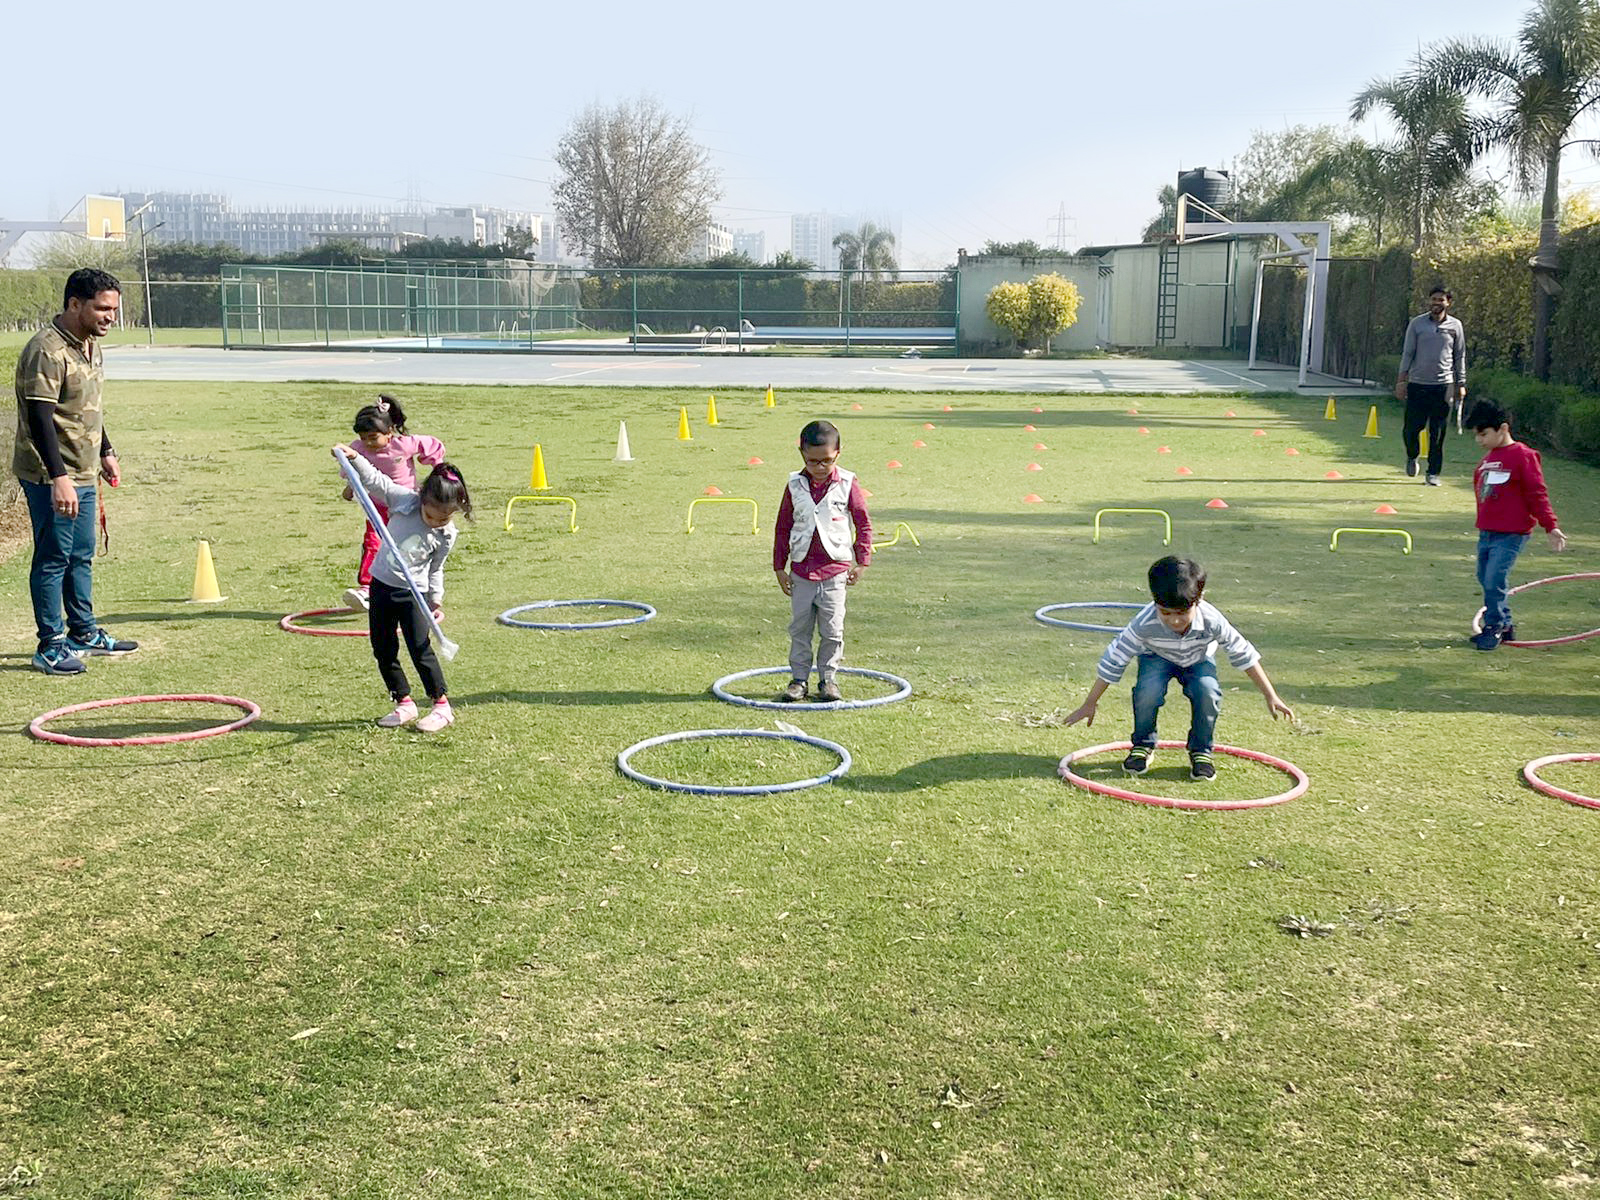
(382, 440)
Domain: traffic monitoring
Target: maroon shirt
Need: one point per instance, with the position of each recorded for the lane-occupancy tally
(816, 564)
(1509, 485)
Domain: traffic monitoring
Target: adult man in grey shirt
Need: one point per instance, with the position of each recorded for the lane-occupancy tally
(1433, 376)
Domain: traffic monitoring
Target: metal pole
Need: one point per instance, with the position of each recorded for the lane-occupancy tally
(1255, 313)
(149, 308)
(634, 278)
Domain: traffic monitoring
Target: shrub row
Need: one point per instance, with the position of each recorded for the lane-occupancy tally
(1558, 417)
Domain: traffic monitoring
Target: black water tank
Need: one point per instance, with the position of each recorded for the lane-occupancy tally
(1212, 188)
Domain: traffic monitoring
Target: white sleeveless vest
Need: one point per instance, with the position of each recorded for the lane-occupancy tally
(828, 518)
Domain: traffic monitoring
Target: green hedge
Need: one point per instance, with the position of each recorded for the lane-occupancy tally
(1557, 417)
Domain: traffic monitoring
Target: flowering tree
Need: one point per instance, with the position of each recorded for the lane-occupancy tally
(1034, 312)
(1008, 306)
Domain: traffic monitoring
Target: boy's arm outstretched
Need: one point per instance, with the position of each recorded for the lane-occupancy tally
(1274, 705)
(1085, 711)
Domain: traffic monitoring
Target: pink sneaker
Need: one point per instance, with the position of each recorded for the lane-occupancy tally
(404, 713)
(436, 720)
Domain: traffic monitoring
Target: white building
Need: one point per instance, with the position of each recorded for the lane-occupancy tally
(811, 234)
(713, 241)
(751, 244)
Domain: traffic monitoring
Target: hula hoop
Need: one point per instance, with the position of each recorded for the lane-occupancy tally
(508, 617)
(37, 727)
(1531, 774)
(288, 623)
(1085, 625)
(903, 690)
(755, 790)
(1288, 768)
(1477, 619)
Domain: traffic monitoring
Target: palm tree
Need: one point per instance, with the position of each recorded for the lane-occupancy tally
(1542, 85)
(1433, 154)
(869, 250)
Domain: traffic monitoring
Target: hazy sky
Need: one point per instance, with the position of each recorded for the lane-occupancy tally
(971, 121)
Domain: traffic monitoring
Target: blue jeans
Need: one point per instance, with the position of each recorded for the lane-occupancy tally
(1150, 692)
(1496, 554)
(61, 578)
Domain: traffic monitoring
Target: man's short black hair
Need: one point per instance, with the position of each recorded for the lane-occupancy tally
(1439, 289)
(1177, 582)
(1486, 414)
(88, 282)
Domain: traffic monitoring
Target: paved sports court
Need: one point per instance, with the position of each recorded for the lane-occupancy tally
(1110, 375)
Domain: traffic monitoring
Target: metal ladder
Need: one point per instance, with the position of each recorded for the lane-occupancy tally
(1167, 295)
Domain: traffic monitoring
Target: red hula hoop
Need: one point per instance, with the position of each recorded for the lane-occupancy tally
(1477, 620)
(1301, 782)
(288, 623)
(37, 726)
(1531, 774)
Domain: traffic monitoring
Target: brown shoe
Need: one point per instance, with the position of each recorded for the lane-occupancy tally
(795, 692)
(828, 690)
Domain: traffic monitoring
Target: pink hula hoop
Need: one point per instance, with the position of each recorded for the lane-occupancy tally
(1477, 619)
(288, 623)
(37, 726)
(1301, 783)
(1531, 774)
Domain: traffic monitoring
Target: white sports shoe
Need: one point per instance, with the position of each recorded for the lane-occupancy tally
(356, 598)
(404, 713)
(436, 720)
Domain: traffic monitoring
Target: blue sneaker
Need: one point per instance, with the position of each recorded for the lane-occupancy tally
(100, 642)
(56, 659)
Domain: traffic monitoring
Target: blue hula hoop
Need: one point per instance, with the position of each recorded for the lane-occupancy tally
(719, 690)
(708, 790)
(509, 616)
(1084, 625)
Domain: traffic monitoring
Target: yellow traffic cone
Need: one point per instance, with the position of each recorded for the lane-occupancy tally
(711, 410)
(770, 401)
(683, 426)
(1372, 423)
(536, 479)
(205, 577)
(1332, 414)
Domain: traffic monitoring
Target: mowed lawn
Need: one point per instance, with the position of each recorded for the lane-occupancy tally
(319, 959)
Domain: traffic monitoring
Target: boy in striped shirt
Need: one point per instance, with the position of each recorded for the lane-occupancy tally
(1176, 637)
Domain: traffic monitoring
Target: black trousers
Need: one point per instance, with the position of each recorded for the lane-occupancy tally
(391, 613)
(1427, 405)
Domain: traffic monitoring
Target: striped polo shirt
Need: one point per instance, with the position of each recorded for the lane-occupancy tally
(1145, 634)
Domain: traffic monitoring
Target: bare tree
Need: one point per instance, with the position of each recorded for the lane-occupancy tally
(634, 186)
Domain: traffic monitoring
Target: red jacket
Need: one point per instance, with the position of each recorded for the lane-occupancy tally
(1509, 485)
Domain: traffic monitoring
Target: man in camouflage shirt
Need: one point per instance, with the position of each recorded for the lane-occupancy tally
(61, 446)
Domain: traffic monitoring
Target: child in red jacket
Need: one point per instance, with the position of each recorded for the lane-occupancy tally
(1509, 486)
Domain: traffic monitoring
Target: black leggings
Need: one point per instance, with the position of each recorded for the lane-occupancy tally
(393, 611)
(1427, 407)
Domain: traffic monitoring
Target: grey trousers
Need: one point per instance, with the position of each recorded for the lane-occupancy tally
(817, 606)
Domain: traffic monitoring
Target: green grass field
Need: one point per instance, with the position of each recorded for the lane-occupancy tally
(320, 959)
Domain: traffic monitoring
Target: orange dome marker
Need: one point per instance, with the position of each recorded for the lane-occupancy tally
(1290, 450)
(1040, 446)
(1259, 433)
(866, 493)
(855, 408)
(1144, 430)
(1185, 471)
(1163, 449)
(927, 424)
(919, 444)
(1230, 413)
(1333, 475)
(1386, 510)
(713, 490)
(755, 462)
(1038, 409)
(1030, 498)
(1133, 412)
(1033, 467)
(1219, 502)
(892, 463)
(947, 408)
(1030, 429)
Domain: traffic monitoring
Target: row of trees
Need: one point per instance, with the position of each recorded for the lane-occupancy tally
(1460, 103)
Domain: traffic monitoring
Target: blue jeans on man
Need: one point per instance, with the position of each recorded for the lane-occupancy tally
(1199, 685)
(1497, 552)
(60, 581)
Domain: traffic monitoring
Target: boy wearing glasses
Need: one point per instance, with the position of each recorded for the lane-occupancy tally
(816, 556)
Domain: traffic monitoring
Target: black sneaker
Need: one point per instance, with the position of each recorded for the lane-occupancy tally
(1508, 634)
(99, 642)
(1201, 767)
(1138, 760)
(56, 659)
(795, 692)
(1487, 640)
(1411, 467)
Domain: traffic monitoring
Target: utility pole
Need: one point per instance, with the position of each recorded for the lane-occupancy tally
(1060, 222)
